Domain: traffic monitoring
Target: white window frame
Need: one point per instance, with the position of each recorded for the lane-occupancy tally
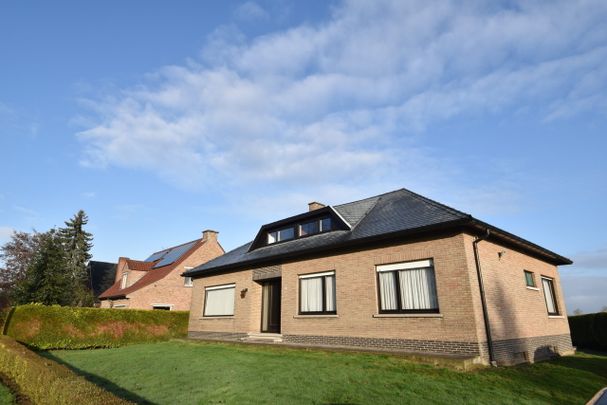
(186, 278)
(396, 268)
(215, 288)
(124, 281)
(323, 275)
(119, 306)
(553, 294)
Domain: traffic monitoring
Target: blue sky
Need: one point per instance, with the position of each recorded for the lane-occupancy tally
(161, 120)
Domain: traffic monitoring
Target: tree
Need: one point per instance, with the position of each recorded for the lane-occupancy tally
(17, 255)
(577, 311)
(77, 244)
(46, 280)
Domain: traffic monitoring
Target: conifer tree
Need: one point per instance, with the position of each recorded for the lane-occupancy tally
(77, 244)
(46, 281)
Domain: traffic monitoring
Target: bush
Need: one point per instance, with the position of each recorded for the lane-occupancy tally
(46, 382)
(589, 331)
(56, 327)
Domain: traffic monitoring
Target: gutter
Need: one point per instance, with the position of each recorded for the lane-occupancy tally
(481, 286)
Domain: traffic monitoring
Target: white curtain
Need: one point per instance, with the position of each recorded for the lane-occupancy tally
(330, 292)
(219, 302)
(311, 294)
(387, 291)
(548, 295)
(417, 289)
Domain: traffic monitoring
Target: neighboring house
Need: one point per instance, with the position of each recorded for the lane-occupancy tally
(101, 276)
(396, 272)
(156, 282)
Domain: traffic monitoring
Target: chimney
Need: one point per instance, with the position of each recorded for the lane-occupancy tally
(209, 234)
(313, 206)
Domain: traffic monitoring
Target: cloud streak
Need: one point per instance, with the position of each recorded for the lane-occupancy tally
(343, 103)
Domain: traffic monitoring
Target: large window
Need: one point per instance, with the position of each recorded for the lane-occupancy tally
(317, 293)
(307, 228)
(407, 287)
(219, 300)
(548, 287)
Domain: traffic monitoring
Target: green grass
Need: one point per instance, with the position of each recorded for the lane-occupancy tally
(6, 397)
(195, 373)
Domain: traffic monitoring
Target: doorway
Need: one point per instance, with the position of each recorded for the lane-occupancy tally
(270, 306)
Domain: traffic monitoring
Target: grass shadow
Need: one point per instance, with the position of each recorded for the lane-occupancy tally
(591, 362)
(100, 381)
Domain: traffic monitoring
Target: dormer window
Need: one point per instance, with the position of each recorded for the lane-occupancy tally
(300, 230)
(281, 235)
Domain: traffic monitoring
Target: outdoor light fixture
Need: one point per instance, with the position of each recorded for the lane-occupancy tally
(243, 292)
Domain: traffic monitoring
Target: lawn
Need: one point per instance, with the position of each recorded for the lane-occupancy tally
(6, 398)
(180, 372)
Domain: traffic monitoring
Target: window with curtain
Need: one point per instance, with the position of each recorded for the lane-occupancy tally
(317, 293)
(407, 287)
(550, 297)
(219, 300)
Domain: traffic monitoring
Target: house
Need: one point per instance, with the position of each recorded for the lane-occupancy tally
(396, 272)
(101, 276)
(156, 282)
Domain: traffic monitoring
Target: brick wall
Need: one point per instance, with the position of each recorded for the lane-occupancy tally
(171, 290)
(515, 311)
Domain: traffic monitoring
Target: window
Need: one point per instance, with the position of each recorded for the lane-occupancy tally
(407, 287)
(281, 235)
(529, 279)
(125, 277)
(548, 286)
(219, 300)
(187, 281)
(317, 293)
(316, 226)
(161, 307)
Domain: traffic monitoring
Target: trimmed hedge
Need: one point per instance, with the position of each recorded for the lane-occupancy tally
(589, 331)
(55, 327)
(46, 382)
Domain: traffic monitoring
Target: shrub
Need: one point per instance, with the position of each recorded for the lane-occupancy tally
(589, 331)
(46, 382)
(55, 327)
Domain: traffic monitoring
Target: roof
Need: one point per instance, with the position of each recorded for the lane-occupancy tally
(154, 266)
(101, 275)
(396, 214)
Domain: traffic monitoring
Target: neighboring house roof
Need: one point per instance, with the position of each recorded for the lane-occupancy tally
(101, 276)
(157, 266)
(395, 214)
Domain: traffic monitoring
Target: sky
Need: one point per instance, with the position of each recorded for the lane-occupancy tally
(162, 119)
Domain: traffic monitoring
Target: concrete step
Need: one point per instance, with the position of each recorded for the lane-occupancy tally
(259, 337)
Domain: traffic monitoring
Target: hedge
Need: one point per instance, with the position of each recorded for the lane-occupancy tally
(46, 382)
(56, 327)
(589, 331)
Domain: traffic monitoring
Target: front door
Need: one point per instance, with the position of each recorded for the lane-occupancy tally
(270, 306)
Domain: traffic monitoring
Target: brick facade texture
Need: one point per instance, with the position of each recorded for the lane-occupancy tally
(518, 315)
(169, 290)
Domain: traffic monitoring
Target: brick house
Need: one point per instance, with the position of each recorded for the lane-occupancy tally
(396, 272)
(156, 282)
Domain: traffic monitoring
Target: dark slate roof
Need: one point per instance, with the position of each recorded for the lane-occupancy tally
(397, 213)
(101, 276)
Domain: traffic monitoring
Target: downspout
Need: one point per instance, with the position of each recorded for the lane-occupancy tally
(481, 287)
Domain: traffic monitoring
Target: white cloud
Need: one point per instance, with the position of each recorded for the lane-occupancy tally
(342, 103)
(5, 233)
(251, 11)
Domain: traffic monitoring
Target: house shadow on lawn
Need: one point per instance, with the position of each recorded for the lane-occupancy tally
(100, 381)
